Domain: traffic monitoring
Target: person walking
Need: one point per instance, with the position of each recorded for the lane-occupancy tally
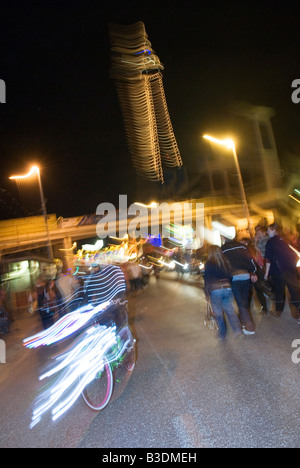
(179, 263)
(42, 302)
(53, 297)
(135, 276)
(243, 273)
(281, 267)
(260, 284)
(260, 239)
(66, 285)
(146, 269)
(217, 276)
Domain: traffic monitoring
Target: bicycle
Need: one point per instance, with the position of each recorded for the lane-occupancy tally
(118, 365)
(98, 362)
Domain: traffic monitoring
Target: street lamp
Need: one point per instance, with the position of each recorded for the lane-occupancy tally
(229, 144)
(151, 205)
(36, 170)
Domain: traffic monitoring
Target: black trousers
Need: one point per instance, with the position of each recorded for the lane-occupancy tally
(279, 283)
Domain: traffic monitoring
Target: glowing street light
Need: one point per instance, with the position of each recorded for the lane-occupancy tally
(229, 144)
(35, 170)
(151, 205)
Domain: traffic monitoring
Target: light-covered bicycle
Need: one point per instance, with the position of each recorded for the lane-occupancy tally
(100, 356)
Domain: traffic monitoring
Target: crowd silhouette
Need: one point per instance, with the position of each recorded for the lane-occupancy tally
(267, 264)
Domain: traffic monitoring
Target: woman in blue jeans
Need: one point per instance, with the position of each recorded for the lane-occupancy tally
(217, 277)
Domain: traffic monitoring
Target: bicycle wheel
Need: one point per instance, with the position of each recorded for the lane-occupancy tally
(97, 393)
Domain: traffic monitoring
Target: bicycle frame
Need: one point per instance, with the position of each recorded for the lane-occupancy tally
(101, 340)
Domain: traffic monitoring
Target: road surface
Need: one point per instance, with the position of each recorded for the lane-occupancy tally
(188, 389)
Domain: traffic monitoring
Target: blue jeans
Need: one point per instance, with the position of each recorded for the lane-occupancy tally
(241, 291)
(222, 300)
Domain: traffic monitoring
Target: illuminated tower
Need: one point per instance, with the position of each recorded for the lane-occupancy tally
(136, 71)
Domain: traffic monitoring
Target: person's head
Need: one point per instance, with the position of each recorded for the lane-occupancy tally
(245, 240)
(260, 231)
(273, 229)
(216, 256)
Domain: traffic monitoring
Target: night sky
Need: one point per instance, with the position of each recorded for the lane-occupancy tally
(62, 110)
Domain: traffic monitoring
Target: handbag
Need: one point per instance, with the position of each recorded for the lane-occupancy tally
(267, 289)
(209, 320)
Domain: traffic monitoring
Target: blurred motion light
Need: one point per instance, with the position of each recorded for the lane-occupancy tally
(33, 170)
(93, 247)
(151, 205)
(229, 144)
(226, 231)
(36, 170)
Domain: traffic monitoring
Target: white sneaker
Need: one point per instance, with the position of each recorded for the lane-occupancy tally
(247, 332)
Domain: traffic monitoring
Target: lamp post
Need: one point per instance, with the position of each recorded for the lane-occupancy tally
(229, 144)
(36, 170)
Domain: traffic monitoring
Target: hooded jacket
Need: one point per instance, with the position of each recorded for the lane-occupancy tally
(239, 257)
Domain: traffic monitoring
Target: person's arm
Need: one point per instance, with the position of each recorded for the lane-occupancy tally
(268, 259)
(253, 277)
(268, 264)
(207, 279)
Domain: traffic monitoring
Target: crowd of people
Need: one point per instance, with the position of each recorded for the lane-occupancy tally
(50, 297)
(266, 263)
(137, 274)
(54, 298)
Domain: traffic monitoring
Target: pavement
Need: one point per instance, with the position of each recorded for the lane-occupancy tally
(188, 389)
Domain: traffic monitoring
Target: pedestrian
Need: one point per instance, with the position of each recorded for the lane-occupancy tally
(53, 297)
(157, 270)
(42, 302)
(67, 285)
(179, 263)
(260, 239)
(281, 267)
(217, 276)
(135, 276)
(125, 270)
(243, 273)
(259, 285)
(146, 269)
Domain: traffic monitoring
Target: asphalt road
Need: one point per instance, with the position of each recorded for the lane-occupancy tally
(188, 389)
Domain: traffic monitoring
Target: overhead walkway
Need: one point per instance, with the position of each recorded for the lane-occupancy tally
(29, 233)
(23, 234)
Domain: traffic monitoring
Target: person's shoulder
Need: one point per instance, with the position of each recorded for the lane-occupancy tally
(233, 245)
(209, 268)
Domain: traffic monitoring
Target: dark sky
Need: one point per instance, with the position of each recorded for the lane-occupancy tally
(62, 109)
